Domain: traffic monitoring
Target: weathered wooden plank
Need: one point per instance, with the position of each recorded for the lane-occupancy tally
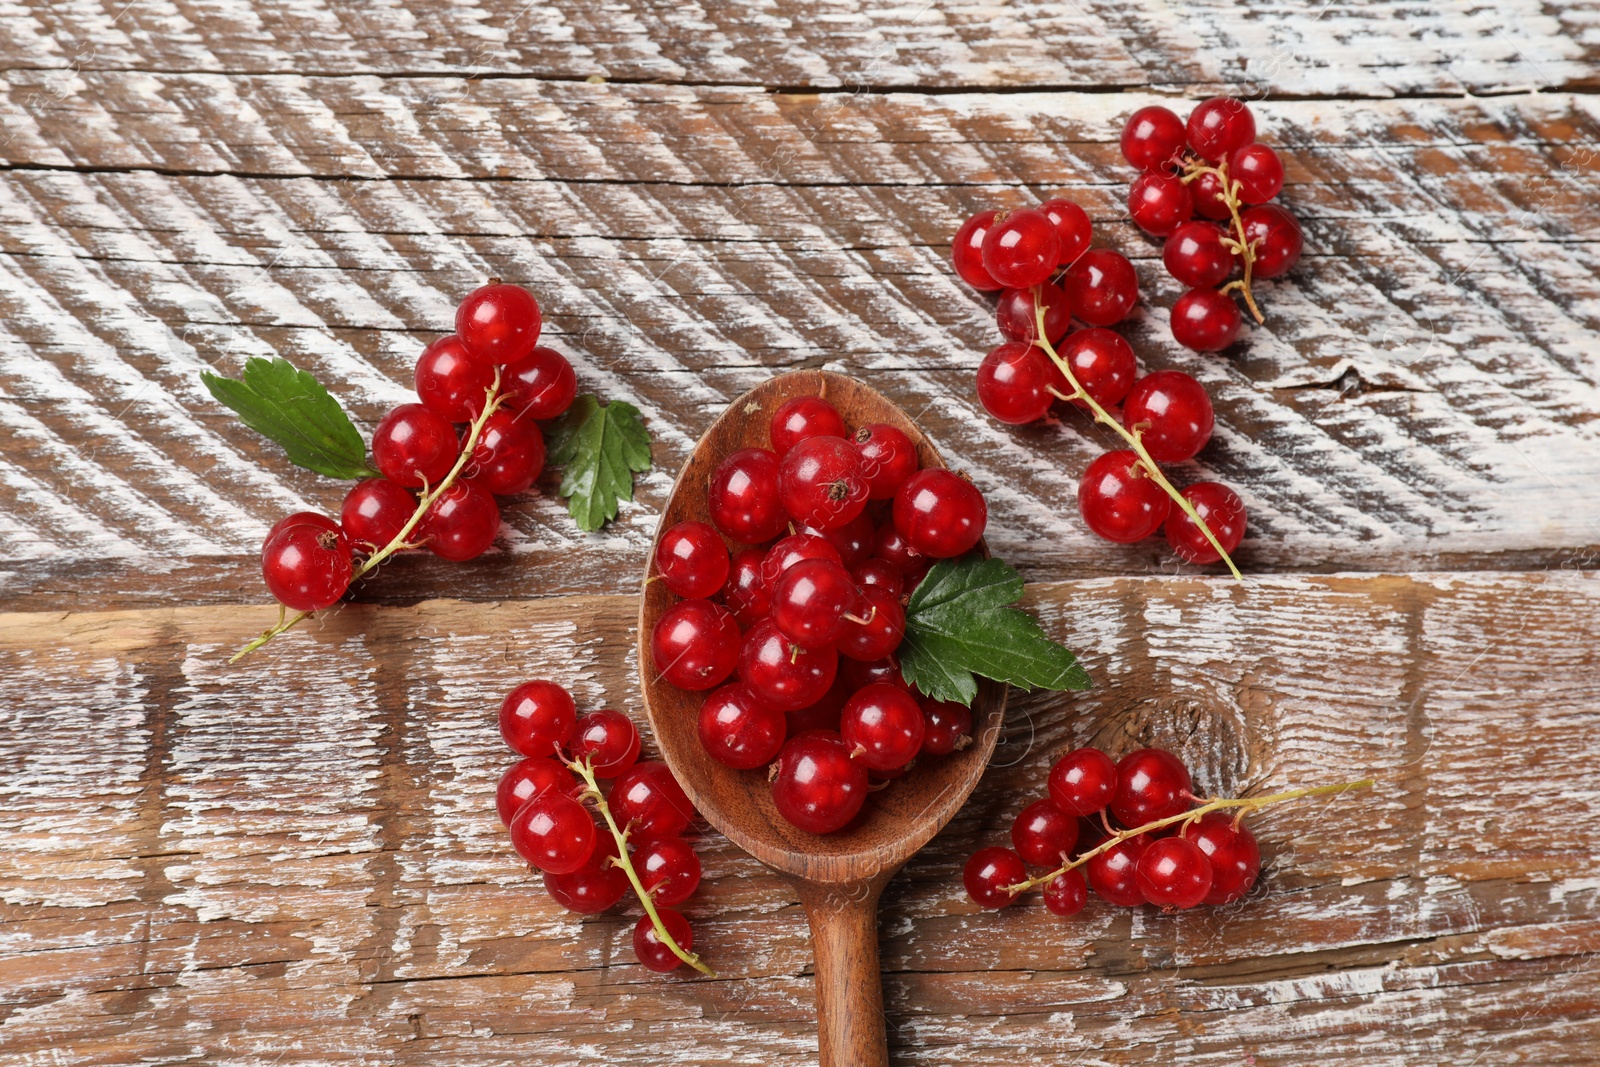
(299, 855)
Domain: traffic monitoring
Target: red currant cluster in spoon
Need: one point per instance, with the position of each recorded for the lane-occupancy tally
(1136, 829)
(1211, 170)
(833, 529)
(473, 436)
(644, 814)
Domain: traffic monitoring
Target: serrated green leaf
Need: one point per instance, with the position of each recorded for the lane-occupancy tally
(291, 408)
(600, 449)
(959, 623)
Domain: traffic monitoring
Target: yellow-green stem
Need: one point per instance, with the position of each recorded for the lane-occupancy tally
(492, 401)
(592, 791)
(1133, 437)
(1192, 169)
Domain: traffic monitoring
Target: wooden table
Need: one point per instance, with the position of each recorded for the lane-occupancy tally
(296, 860)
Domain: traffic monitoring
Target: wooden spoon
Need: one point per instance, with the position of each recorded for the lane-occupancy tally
(837, 876)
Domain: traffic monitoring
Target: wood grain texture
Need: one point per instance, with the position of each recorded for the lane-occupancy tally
(303, 863)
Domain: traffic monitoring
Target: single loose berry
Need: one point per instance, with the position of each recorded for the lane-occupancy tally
(820, 482)
(1159, 203)
(1196, 256)
(415, 446)
(462, 522)
(307, 568)
(888, 458)
(803, 417)
(1218, 126)
(796, 548)
(553, 832)
(1015, 313)
(1101, 287)
(1119, 500)
(989, 873)
(306, 518)
(1174, 412)
(695, 644)
(375, 511)
(947, 726)
(1083, 781)
(780, 673)
(537, 717)
(1103, 363)
(940, 514)
(1014, 383)
(810, 601)
(1152, 138)
(498, 323)
(649, 802)
(876, 573)
(817, 786)
(668, 868)
(508, 455)
(592, 888)
(743, 497)
(1114, 873)
(966, 251)
(652, 951)
(1209, 199)
(1173, 873)
(1022, 248)
(1072, 226)
(451, 383)
(1205, 320)
(1259, 172)
(526, 779)
(692, 560)
(883, 727)
(739, 731)
(1066, 893)
(1044, 834)
(1275, 235)
(540, 385)
(1232, 851)
(879, 628)
(746, 592)
(1151, 784)
(608, 740)
(1223, 513)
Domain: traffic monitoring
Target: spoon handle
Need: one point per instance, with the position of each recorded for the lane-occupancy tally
(844, 940)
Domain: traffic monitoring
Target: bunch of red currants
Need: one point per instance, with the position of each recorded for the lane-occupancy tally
(1214, 168)
(836, 528)
(1145, 852)
(492, 364)
(540, 799)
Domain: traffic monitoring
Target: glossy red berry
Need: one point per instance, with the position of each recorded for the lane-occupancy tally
(858, 674)
(1173, 873)
(883, 726)
(1196, 256)
(1259, 172)
(526, 779)
(746, 592)
(592, 888)
(823, 714)
(988, 874)
(1205, 320)
(966, 252)
(306, 567)
(888, 458)
(876, 573)
(1072, 227)
(1218, 126)
(692, 560)
(1174, 412)
(1152, 138)
(695, 644)
(947, 726)
(817, 786)
(1103, 363)
(375, 511)
(508, 455)
(1159, 203)
(462, 522)
(669, 869)
(940, 514)
(743, 497)
(1113, 873)
(1276, 237)
(796, 548)
(1022, 248)
(498, 323)
(1102, 287)
(1015, 313)
(1232, 851)
(1014, 383)
(1044, 834)
(780, 673)
(893, 548)
(1151, 784)
(649, 802)
(553, 832)
(803, 417)
(654, 953)
(881, 628)
(307, 518)
(1083, 781)
(540, 385)
(1223, 513)
(1209, 201)
(820, 482)
(608, 740)
(415, 446)
(1119, 500)
(739, 731)
(1066, 893)
(537, 717)
(810, 601)
(451, 383)
(853, 540)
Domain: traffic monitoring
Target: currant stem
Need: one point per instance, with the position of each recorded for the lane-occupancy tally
(1244, 804)
(1133, 437)
(585, 770)
(1192, 169)
(492, 401)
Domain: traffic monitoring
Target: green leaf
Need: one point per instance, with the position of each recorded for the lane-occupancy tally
(600, 448)
(959, 623)
(292, 408)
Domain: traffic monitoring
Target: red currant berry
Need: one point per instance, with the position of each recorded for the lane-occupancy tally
(1231, 849)
(1151, 784)
(1103, 363)
(649, 802)
(1113, 873)
(1159, 203)
(654, 953)
(1223, 513)
(947, 726)
(1044, 834)
(692, 560)
(882, 630)
(817, 786)
(1209, 201)
(307, 567)
(1072, 226)
(746, 593)
(988, 875)
(966, 251)
(1218, 126)
(743, 497)
(1014, 383)
(824, 714)
(876, 574)
(525, 780)
(1102, 287)
(888, 458)
(1259, 172)
(820, 482)
(1175, 412)
(810, 601)
(892, 547)
(1014, 314)
(1119, 500)
(796, 548)
(1083, 781)
(1196, 256)
(375, 511)
(536, 718)
(592, 888)
(306, 518)
(462, 522)
(669, 869)
(414, 446)
(1152, 138)
(1021, 249)
(1276, 236)
(857, 674)
(739, 731)
(1173, 873)
(498, 323)
(780, 673)
(540, 385)
(1205, 320)
(553, 832)
(508, 455)
(451, 383)
(1066, 893)
(695, 644)
(883, 727)
(941, 514)
(853, 540)
(608, 740)
(803, 417)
